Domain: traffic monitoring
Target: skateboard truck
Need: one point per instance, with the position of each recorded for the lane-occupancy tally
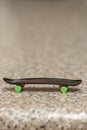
(63, 83)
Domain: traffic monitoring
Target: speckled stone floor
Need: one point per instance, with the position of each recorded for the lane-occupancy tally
(43, 39)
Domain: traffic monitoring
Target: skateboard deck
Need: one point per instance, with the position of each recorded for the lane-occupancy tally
(63, 83)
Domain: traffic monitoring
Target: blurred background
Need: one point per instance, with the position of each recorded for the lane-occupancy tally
(40, 38)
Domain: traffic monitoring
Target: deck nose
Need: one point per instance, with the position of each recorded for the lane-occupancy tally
(6, 80)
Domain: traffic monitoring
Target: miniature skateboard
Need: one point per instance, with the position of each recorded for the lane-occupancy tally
(63, 83)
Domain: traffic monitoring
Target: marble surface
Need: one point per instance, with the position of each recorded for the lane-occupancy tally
(43, 39)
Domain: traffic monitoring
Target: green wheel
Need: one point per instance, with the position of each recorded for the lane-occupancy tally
(64, 89)
(18, 88)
